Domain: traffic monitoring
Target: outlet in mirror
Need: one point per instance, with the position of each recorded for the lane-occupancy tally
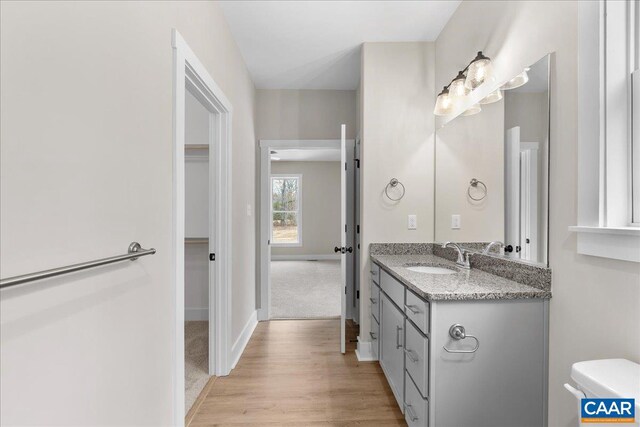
(492, 168)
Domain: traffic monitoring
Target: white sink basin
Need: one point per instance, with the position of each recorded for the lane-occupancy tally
(430, 270)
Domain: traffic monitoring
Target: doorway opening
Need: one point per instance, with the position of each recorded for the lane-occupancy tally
(201, 257)
(308, 231)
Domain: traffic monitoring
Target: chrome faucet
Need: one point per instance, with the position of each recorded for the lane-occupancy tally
(463, 256)
(490, 245)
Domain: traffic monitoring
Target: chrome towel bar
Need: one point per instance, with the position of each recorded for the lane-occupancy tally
(135, 251)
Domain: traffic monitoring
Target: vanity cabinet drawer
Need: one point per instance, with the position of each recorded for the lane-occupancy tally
(416, 407)
(374, 300)
(393, 288)
(375, 272)
(375, 338)
(417, 310)
(416, 348)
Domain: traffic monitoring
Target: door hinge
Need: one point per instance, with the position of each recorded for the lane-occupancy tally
(357, 163)
(345, 289)
(345, 165)
(358, 229)
(212, 257)
(358, 294)
(345, 228)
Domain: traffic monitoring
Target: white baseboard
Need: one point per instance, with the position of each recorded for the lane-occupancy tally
(243, 339)
(305, 257)
(364, 352)
(196, 314)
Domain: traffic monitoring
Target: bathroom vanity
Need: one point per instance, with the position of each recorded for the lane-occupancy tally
(460, 347)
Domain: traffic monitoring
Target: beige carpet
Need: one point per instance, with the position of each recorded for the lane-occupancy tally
(196, 357)
(305, 289)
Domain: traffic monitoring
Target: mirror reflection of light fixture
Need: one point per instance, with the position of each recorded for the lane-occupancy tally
(517, 81)
(494, 96)
(275, 158)
(474, 109)
(478, 71)
(444, 103)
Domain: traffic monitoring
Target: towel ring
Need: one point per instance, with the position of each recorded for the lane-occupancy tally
(474, 183)
(393, 184)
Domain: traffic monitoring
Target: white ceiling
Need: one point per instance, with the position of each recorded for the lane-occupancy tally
(314, 155)
(316, 44)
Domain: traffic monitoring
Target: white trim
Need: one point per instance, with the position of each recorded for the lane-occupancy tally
(364, 351)
(189, 72)
(243, 339)
(603, 135)
(196, 314)
(621, 244)
(298, 211)
(310, 257)
(301, 144)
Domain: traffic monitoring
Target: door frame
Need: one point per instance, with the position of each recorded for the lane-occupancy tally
(266, 145)
(189, 72)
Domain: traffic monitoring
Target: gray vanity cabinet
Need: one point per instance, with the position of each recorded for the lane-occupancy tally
(493, 374)
(391, 346)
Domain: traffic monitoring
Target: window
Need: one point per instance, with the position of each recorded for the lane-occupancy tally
(608, 135)
(286, 213)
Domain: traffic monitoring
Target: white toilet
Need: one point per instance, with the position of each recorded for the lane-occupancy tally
(607, 378)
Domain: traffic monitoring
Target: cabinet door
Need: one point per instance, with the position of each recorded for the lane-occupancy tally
(391, 346)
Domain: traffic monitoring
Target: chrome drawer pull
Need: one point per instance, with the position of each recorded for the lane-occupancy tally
(457, 332)
(412, 308)
(412, 415)
(373, 301)
(410, 355)
(398, 343)
(373, 336)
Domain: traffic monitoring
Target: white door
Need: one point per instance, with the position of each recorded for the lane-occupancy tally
(529, 200)
(343, 238)
(213, 239)
(512, 189)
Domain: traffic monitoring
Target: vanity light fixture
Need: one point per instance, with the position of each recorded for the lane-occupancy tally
(478, 71)
(494, 96)
(474, 109)
(444, 103)
(517, 81)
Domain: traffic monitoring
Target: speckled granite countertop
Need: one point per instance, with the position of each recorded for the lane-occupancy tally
(470, 284)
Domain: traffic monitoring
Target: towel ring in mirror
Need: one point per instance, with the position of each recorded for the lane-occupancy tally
(475, 183)
(393, 184)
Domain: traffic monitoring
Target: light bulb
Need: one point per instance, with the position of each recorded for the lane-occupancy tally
(444, 103)
(474, 109)
(478, 71)
(517, 81)
(494, 96)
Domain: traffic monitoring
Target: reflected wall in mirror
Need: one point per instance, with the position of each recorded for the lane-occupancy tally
(506, 148)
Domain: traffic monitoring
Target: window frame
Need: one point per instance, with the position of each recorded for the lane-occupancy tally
(298, 212)
(605, 192)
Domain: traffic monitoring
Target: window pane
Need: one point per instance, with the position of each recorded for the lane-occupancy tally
(284, 194)
(285, 228)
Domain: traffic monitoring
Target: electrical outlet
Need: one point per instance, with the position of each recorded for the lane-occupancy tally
(455, 222)
(412, 222)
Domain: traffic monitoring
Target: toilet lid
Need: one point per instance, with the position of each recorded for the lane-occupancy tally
(616, 378)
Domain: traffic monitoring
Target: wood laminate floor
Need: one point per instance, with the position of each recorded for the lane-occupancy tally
(292, 373)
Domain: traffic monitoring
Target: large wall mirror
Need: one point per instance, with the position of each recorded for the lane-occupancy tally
(492, 171)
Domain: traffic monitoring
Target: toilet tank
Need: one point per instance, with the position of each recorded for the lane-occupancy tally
(608, 378)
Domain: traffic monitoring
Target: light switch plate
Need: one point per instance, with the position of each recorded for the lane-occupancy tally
(455, 222)
(248, 209)
(412, 222)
